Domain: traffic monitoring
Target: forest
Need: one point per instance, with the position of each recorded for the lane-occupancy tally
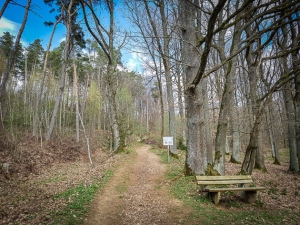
(220, 77)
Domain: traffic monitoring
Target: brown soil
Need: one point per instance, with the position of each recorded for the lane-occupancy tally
(137, 194)
(39, 172)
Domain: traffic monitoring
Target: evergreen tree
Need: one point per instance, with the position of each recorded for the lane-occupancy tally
(35, 52)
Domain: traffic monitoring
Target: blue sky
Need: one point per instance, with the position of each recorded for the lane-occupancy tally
(35, 28)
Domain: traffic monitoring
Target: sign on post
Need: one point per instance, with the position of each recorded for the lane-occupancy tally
(168, 141)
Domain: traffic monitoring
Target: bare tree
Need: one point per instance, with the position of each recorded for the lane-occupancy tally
(106, 39)
(228, 94)
(37, 111)
(164, 51)
(196, 162)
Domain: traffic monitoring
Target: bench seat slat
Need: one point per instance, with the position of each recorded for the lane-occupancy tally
(216, 182)
(237, 177)
(234, 189)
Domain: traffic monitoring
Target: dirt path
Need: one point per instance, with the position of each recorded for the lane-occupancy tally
(137, 195)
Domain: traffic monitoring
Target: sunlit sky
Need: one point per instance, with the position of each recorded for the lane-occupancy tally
(35, 28)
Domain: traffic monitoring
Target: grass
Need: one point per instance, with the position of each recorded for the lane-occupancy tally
(273, 190)
(78, 201)
(185, 189)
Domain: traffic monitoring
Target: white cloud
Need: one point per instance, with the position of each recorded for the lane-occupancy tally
(132, 64)
(134, 61)
(7, 25)
(62, 39)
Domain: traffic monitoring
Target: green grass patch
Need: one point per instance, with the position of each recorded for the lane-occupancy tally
(78, 200)
(284, 191)
(185, 189)
(273, 190)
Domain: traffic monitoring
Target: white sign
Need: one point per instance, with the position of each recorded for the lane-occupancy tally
(167, 140)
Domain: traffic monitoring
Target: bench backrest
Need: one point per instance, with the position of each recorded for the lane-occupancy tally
(215, 180)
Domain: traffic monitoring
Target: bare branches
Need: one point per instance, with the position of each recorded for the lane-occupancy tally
(209, 36)
(101, 42)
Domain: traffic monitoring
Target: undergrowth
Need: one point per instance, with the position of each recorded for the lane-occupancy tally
(185, 189)
(78, 200)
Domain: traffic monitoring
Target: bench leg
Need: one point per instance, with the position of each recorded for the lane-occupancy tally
(215, 196)
(249, 196)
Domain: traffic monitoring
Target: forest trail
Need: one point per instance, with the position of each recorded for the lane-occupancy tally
(137, 194)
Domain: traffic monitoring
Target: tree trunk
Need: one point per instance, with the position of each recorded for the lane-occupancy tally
(235, 133)
(207, 125)
(196, 158)
(252, 148)
(12, 58)
(4, 7)
(289, 106)
(165, 54)
(260, 160)
(75, 95)
(225, 108)
(196, 162)
(111, 92)
(36, 117)
(63, 74)
(274, 146)
(295, 65)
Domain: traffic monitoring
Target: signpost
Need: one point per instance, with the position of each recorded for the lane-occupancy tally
(168, 141)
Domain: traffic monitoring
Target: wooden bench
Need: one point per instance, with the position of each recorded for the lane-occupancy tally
(249, 194)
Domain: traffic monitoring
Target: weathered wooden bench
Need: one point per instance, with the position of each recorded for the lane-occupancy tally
(249, 194)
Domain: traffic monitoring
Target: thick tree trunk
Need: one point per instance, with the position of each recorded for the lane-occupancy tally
(111, 92)
(295, 65)
(235, 133)
(194, 69)
(260, 159)
(252, 148)
(253, 62)
(289, 106)
(196, 158)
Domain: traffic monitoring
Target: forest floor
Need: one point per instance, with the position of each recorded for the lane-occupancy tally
(54, 184)
(137, 194)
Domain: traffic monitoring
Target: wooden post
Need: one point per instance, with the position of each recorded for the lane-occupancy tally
(215, 196)
(250, 196)
(168, 153)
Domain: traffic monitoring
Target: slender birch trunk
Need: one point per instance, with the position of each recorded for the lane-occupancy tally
(37, 111)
